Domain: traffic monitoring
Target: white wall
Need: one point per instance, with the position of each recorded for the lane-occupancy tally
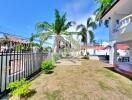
(96, 52)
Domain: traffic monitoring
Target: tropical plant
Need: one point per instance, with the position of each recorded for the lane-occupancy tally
(47, 66)
(47, 49)
(104, 5)
(42, 37)
(19, 88)
(55, 57)
(57, 28)
(85, 29)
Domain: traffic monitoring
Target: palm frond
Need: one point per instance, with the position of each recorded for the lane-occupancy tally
(33, 36)
(89, 20)
(40, 26)
(91, 24)
(81, 26)
(91, 36)
(68, 25)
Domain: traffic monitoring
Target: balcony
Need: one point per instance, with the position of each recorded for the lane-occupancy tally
(123, 30)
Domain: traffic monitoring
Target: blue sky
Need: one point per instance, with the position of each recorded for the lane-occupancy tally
(20, 16)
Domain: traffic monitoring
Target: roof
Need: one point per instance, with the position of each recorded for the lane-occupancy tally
(107, 10)
(119, 46)
(100, 47)
(14, 39)
(122, 46)
(97, 47)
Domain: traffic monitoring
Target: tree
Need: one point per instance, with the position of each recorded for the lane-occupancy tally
(42, 37)
(85, 29)
(57, 28)
(104, 5)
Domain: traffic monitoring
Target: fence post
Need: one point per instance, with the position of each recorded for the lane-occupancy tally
(3, 86)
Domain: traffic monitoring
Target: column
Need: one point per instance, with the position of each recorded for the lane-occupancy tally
(113, 56)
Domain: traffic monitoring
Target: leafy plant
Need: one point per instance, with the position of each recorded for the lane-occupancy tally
(19, 88)
(47, 66)
(55, 57)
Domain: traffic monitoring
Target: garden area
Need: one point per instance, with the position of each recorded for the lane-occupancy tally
(90, 80)
(52, 65)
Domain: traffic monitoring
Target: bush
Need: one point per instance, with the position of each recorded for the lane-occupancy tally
(85, 57)
(55, 57)
(19, 88)
(87, 53)
(47, 66)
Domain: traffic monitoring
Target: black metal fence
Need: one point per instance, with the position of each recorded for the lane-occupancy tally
(18, 64)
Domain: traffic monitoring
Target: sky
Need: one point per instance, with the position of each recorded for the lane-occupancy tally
(20, 16)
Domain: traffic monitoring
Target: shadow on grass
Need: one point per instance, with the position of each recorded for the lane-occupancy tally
(35, 76)
(31, 93)
(49, 72)
(123, 74)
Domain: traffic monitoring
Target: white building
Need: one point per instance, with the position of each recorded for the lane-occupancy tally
(95, 50)
(120, 27)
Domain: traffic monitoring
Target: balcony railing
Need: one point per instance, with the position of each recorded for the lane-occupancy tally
(123, 23)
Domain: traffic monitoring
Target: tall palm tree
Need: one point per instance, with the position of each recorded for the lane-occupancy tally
(86, 29)
(104, 5)
(57, 28)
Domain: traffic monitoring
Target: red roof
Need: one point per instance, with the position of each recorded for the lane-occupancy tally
(119, 46)
(97, 47)
(122, 46)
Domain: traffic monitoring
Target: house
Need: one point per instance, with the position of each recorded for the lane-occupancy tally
(97, 50)
(8, 42)
(119, 16)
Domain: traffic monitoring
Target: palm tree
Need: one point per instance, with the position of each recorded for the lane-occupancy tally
(57, 28)
(42, 37)
(85, 29)
(104, 5)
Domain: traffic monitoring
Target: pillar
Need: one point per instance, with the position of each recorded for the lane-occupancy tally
(113, 55)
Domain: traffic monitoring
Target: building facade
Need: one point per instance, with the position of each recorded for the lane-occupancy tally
(119, 16)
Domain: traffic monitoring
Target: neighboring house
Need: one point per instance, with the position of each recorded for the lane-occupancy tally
(95, 50)
(8, 42)
(119, 16)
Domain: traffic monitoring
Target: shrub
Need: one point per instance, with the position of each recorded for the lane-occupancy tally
(87, 53)
(55, 57)
(47, 66)
(19, 88)
(85, 57)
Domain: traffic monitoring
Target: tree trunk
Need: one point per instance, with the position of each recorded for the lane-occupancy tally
(56, 43)
(58, 39)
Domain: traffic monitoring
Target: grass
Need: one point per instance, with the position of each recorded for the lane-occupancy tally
(54, 95)
(90, 80)
(104, 86)
(107, 73)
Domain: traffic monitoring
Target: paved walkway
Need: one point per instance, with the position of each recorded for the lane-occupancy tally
(72, 61)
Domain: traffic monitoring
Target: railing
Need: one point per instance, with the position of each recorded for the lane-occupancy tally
(123, 59)
(123, 23)
(15, 65)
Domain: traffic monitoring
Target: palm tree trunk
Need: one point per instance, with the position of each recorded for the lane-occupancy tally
(58, 39)
(56, 44)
